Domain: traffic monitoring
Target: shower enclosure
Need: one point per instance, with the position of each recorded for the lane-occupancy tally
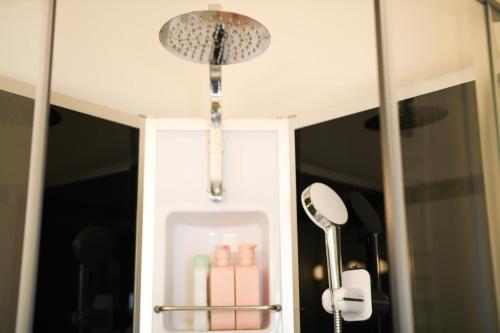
(393, 104)
(449, 166)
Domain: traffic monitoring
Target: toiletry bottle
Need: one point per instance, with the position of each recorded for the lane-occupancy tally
(201, 266)
(222, 289)
(247, 281)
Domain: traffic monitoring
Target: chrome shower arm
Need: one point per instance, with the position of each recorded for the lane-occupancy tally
(219, 37)
(215, 187)
(216, 38)
(215, 83)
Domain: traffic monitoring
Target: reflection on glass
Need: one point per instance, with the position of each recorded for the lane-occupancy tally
(85, 279)
(20, 50)
(493, 15)
(345, 154)
(446, 213)
(16, 118)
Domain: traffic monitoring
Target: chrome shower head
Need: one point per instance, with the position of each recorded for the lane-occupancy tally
(215, 37)
(323, 206)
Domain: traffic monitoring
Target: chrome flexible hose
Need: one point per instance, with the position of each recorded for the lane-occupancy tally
(337, 325)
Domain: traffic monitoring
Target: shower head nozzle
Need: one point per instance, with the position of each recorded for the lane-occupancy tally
(323, 206)
(215, 37)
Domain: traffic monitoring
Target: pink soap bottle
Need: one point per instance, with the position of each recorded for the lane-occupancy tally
(247, 282)
(222, 289)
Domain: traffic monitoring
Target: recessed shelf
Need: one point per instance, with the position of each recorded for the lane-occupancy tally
(188, 234)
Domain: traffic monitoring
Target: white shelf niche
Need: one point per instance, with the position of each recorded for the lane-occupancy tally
(179, 221)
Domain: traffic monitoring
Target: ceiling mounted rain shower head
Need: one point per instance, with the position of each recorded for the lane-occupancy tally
(412, 116)
(215, 37)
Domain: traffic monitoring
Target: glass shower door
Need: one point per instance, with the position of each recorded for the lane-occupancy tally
(442, 93)
(25, 39)
(21, 53)
(16, 119)
(492, 13)
(492, 23)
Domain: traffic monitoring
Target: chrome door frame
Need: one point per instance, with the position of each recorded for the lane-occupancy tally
(32, 226)
(392, 166)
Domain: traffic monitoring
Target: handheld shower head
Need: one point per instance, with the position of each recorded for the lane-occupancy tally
(327, 210)
(323, 206)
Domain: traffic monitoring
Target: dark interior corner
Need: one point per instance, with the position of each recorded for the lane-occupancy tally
(345, 155)
(87, 249)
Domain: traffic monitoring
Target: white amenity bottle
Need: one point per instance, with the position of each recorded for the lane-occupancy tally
(200, 291)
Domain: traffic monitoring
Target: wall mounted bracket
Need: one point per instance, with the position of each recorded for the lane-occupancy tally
(353, 299)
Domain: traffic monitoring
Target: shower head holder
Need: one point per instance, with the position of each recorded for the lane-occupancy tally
(216, 38)
(353, 299)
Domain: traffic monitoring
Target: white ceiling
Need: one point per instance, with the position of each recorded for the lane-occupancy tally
(321, 63)
(109, 51)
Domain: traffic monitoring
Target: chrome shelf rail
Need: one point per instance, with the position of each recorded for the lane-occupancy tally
(167, 308)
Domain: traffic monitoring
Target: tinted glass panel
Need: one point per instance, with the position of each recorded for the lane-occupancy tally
(87, 250)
